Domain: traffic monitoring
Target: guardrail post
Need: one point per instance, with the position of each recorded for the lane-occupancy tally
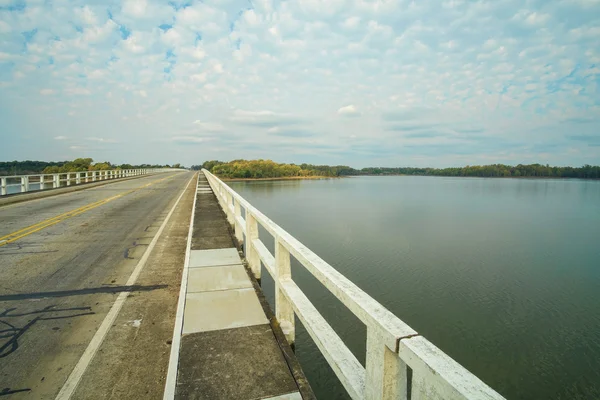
(230, 216)
(385, 372)
(68, 179)
(42, 182)
(283, 308)
(239, 233)
(77, 178)
(55, 181)
(3, 186)
(24, 184)
(250, 251)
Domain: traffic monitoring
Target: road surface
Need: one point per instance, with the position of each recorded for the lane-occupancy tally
(65, 262)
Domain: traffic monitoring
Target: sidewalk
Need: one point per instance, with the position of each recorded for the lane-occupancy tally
(228, 349)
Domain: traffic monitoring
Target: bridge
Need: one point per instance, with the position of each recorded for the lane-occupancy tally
(146, 284)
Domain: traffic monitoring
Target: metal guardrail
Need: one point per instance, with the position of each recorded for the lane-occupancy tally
(28, 183)
(400, 364)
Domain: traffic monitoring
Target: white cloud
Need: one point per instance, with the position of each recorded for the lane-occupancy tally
(101, 140)
(272, 73)
(209, 126)
(60, 138)
(87, 16)
(4, 27)
(351, 22)
(133, 45)
(349, 111)
(78, 91)
(135, 8)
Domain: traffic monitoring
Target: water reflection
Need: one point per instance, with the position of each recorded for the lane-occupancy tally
(502, 274)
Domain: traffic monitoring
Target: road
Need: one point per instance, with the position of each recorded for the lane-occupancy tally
(65, 262)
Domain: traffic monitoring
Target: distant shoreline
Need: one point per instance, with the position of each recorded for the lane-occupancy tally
(487, 177)
(281, 178)
(296, 178)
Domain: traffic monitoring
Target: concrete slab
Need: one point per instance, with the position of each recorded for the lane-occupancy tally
(289, 396)
(214, 257)
(218, 278)
(225, 309)
(242, 363)
(212, 242)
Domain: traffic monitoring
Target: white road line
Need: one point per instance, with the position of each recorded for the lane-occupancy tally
(171, 381)
(71, 384)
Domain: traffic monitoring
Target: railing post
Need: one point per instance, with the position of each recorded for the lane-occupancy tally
(55, 181)
(283, 308)
(385, 372)
(77, 178)
(42, 182)
(239, 233)
(251, 254)
(230, 216)
(68, 179)
(24, 184)
(3, 186)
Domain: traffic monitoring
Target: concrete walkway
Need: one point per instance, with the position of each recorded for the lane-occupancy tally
(228, 349)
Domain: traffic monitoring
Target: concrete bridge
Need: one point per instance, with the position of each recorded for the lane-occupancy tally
(147, 285)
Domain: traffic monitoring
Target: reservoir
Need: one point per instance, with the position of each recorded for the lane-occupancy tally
(501, 274)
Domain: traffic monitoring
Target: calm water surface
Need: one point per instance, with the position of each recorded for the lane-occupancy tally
(501, 274)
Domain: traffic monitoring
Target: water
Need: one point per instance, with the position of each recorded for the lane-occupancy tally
(501, 274)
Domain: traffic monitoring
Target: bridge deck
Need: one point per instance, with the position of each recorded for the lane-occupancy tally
(228, 348)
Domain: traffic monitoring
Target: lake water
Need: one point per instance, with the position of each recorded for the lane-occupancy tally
(502, 274)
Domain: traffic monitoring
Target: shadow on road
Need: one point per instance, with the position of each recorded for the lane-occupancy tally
(79, 292)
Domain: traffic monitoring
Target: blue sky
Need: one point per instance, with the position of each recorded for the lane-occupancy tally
(358, 82)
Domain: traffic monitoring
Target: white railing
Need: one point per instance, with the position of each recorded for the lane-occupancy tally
(395, 352)
(28, 183)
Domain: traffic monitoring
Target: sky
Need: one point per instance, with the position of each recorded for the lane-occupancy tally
(354, 82)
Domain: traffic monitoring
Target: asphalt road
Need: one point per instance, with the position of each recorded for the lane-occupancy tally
(64, 260)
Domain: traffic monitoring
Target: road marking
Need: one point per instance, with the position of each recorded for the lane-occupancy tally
(75, 377)
(171, 381)
(11, 237)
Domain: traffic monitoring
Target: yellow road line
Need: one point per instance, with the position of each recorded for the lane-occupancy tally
(11, 237)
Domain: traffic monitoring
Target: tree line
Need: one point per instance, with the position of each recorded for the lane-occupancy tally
(78, 165)
(254, 169)
(495, 171)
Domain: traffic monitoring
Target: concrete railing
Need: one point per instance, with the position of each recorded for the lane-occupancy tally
(28, 183)
(400, 364)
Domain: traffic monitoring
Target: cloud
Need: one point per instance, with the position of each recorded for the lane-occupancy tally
(209, 126)
(60, 138)
(77, 91)
(102, 140)
(408, 127)
(441, 83)
(590, 140)
(293, 133)
(265, 118)
(424, 135)
(191, 139)
(348, 111)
